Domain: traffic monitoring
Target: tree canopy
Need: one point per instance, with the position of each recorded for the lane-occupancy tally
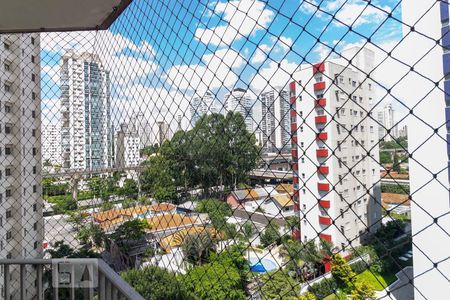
(218, 151)
(154, 283)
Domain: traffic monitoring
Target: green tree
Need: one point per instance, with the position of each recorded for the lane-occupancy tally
(342, 272)
(95, 185)
(248, 230)
(154, 283)
(130, 230)
(385, 157)
(279, 285)
(216, 281)
(61, 250)
(270, 235)
(217, 211)
(396, 164)
(75, 218)
(363, 291)
(307, 296)
(196, 247)
(64, 205)
(129, 189)
(157, 179)
(91, 235)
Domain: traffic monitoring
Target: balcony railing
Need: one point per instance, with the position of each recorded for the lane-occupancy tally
(110, 284)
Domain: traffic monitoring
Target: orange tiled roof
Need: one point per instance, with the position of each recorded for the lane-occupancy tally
(177, 239)
(163, 207)
(105, 225)
(167, 221)
(283, 200)
(284, 188)
(390, 198)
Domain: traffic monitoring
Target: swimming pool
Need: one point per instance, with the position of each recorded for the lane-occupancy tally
(262, 265)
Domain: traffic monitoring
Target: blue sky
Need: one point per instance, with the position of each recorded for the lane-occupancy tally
(162, 52)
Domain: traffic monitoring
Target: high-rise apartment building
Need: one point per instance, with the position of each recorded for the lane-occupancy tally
(86, 131)
(127, 147)
(239, 101)
(200, 106)
(428, 172)
(51, 144)
(163, 132)
(21, 221)
(335, 161)
(386, 121)
(275, 121)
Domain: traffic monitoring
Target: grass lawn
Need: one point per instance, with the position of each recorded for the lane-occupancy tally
(377, 280)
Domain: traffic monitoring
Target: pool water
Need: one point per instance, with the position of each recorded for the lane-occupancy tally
(262, 265)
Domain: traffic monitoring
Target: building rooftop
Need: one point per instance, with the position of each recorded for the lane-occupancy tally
(177, 239)
(169, 221)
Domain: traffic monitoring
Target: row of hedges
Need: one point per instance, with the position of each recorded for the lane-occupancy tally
(395, 189)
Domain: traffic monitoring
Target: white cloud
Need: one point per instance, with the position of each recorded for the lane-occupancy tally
(260, 54)
(216, 71)
(355, 12)
(273, 75)
(50, 111)
(125, 59)
(52, 72)
(243, 17)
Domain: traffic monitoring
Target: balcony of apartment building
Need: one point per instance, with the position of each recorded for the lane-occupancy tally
(23, 276)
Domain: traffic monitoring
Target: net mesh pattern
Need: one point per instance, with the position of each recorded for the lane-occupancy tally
(234, 149)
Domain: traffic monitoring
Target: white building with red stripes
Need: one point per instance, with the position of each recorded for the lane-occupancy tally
(335, 150)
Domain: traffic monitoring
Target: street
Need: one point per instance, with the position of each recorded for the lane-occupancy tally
(57, 229)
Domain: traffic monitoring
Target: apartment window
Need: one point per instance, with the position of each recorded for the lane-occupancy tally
(33, 132)
(34, 151)
(349, 81)
(8, 172)
(32, 40)
(33, 59)
(7, 87)
(342, 229)
(35, 245)
(343, 246)
(371, 129)
(35, 226)
(33, 96)
(34, 170)
(33, 77)
(8, 237)
(34, 191)
(342, 212)
(7, 67)
(353, 83)
(341, 79)
(301, 144)
(8, 128)
(370, 86)
(7, 108)
(35, 207)
(303, 160)
(6, 46)
(9, 256)
(8, 214)
(33, 114)
(8, 150)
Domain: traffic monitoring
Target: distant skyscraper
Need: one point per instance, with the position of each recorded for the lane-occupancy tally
(144, 129)
(86, 114)
(275, 119)
(127, 147)
(21, 220)
(163, 132)
(201, 106)
(239, 101)
(51, 143)
(386, 119)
